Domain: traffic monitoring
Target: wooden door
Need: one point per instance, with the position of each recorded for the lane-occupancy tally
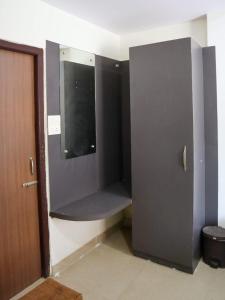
(20, 259)
(162, 125)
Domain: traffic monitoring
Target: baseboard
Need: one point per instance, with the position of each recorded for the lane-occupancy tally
(189, 270)
(84, 250)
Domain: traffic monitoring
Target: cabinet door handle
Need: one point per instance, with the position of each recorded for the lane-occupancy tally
(185, 158)
(31, 165)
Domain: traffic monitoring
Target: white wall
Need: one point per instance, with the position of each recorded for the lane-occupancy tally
(216, 37)
(67, 236)
(32, 22)
(196, 29)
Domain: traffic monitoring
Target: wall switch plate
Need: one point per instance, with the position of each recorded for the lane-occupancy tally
(54, 125)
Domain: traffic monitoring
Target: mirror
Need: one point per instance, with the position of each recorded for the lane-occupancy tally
(77, 102)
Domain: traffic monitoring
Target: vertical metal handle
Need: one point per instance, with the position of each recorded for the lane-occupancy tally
(31, 165)
(185, 158)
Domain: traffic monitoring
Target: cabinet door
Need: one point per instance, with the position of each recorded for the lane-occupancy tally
(161, 131)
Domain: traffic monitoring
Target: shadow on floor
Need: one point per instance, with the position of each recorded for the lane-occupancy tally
(121, 241)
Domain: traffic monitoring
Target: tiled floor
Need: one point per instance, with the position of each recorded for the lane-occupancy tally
(111, 272)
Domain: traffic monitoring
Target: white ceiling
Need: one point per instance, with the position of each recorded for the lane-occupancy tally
(123, 16)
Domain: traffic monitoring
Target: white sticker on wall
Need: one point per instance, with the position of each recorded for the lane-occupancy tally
(54, 125)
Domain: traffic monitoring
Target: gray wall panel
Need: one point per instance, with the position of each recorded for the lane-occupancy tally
(52, 76)
(126, 134)
(76, 178)
(70, 179)
(108, 121)
(211, 138)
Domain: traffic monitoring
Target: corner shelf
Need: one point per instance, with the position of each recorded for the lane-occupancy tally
(100, 205)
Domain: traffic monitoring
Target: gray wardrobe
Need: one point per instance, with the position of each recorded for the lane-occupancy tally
(168, 151)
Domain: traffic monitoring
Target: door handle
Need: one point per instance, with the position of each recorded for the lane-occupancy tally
(29, 183)
(185, 158)
(31, 165)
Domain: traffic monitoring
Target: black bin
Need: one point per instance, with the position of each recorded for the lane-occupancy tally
(214, 246)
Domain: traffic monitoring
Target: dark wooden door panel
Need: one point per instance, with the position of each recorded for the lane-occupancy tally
(20, 261)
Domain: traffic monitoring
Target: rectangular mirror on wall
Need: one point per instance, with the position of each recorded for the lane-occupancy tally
(77, 102)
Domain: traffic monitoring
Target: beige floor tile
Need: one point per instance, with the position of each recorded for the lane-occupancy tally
(111, 272)
(106, 269)
(158, 282)
(76, 280)
(116, 280)
(95, 295)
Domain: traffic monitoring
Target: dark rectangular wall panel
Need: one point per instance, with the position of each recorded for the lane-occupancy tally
(126, 134)
(108, 121)
(211, 139)
(52, 77)
(70, 179)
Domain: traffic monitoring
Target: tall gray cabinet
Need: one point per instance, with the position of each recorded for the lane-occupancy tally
(167, 151)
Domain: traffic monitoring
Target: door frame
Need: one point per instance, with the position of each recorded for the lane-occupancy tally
(37, 53)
